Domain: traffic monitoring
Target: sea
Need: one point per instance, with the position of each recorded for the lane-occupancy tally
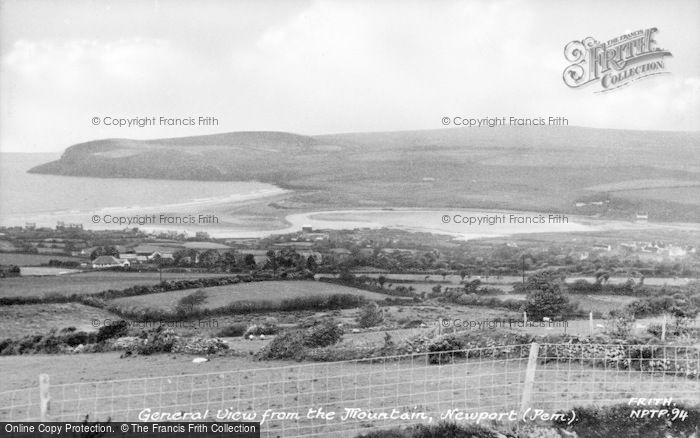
(48, 199)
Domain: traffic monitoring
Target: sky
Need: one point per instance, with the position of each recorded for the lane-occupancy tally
(317, 67)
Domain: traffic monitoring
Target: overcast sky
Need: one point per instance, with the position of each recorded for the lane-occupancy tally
(314, 67)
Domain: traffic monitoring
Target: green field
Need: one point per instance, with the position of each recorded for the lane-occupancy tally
(33, 259)
(220, 296)
(86, 283)
(36, 319)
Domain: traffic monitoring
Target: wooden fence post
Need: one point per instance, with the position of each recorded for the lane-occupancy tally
(44, 397)
(529, 377)
(590, 324)
(524, 319)
(663, 329)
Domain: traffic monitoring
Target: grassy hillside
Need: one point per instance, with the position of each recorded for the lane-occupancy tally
(507, 167)
(87, 283)
(221, 296)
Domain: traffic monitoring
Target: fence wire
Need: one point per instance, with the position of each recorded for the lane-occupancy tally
(424, 387)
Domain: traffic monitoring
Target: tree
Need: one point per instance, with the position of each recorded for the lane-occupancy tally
(545, 297)
(463, 274)
(185, 257)
(311, 264)
(272, 262)
(210, 258)
(602, 276)
(381, 280)
(229, 259)
(249, 261)
(104, 251)
(188, 303)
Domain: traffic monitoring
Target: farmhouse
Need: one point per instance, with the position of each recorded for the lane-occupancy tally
(161, 255)
(104, 262)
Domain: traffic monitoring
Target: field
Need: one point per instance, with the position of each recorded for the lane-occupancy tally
(34, 319)
(687, 195)
(220, 296)
(86, 283)
(33, 259)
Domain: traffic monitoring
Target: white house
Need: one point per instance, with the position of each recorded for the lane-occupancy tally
(104, 262)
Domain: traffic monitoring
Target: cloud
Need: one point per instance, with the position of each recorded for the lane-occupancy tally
(321, 66)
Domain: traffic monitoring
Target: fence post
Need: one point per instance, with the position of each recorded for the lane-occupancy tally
(44, 397)
(663, 329)
(524, 319)
(529, 377)
(590, 324)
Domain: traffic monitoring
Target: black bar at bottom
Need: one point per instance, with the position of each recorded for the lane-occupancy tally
(129, 430)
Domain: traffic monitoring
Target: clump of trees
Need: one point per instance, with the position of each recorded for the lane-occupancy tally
(104, 251)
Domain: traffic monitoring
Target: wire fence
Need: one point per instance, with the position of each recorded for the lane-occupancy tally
(379, 392)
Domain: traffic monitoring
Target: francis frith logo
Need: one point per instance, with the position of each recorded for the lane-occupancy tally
(615, 63)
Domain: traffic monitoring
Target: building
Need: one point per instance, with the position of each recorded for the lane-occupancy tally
(161, 256)
(105, 262)
(642, 218)
(131, 257)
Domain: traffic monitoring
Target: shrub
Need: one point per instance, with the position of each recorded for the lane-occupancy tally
(263, 328)
(74, 339)
(158, 341)
(621, 323)
(289, 344)
(655, 330)
(489, 290)
(336, 301)
(370, 315)
(232, 330)
(323, 334)
(448, 343)
(115, 330)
